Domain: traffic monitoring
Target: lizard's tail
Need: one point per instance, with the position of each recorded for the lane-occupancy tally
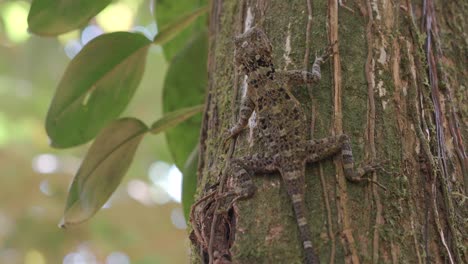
(294, 180)
(304, 231)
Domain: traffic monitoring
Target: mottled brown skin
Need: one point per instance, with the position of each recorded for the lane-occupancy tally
(281, 130)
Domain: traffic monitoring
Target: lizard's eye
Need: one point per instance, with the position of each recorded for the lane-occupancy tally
(245, 44)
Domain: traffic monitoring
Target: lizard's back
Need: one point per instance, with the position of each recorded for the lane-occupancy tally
(281, 123)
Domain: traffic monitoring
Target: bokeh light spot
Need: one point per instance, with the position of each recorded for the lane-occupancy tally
(158, 170)
(72, 35)
(34, 257)
(82, 256)
(3, 129)
(139, 190)
(149, 31)
(89, 33)
(159, 195)
(117, 258)
(75, 258)
(108, 204)
(175, 184)
(168, 177)
(72, 48)
(116, 17)
(15, 15)
(45, 163)
(44, 186)
(178, 219)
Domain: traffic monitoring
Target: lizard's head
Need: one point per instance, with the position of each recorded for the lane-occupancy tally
(253, 50)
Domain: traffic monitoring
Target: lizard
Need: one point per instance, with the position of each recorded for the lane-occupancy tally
(281, 130)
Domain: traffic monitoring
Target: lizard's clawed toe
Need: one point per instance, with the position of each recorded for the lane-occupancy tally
(374, 165)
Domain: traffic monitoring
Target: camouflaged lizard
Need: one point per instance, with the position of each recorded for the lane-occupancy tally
(282, 129)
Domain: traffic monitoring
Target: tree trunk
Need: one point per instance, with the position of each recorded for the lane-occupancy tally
(395, 85)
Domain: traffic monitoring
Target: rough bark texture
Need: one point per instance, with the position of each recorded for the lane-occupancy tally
(396, 86)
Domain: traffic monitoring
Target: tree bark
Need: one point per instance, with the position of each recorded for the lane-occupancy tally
(395, 85)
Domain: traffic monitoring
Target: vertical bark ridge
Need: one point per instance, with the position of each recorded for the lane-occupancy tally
(371, 129)
(343, 214)
(446, 62)
(407, 142)
(416, 118)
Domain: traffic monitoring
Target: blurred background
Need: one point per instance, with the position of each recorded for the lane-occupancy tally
(143, 221)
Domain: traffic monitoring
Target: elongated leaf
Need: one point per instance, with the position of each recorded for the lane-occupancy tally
(53, 17)
(189, 182)
(170, 30)
(185, 85)
(102, 170)
(96, 87)
(172, 119)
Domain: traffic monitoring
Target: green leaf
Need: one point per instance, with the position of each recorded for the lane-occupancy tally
(185, 85)
(96, 87)
(174, 118)
(189, 182)
(168, 11)
(102, 170)
(171, 30)
(54, 17)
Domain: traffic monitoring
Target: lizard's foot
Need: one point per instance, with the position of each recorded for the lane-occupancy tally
(371, 166)
(326, 54)
(367, 168)
(375, 165)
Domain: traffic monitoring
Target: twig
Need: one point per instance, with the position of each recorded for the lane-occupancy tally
(193, 217)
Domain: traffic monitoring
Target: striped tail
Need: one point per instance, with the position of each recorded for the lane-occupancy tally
(304, 231)
(293, 180)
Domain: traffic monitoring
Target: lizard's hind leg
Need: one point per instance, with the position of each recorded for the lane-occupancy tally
(323, 148)
(241, 171)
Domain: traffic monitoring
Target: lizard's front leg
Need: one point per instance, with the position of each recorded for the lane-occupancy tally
(246, 109)
(300, 77)
(323, 148)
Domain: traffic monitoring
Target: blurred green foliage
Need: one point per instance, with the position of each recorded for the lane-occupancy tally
(32, 198)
